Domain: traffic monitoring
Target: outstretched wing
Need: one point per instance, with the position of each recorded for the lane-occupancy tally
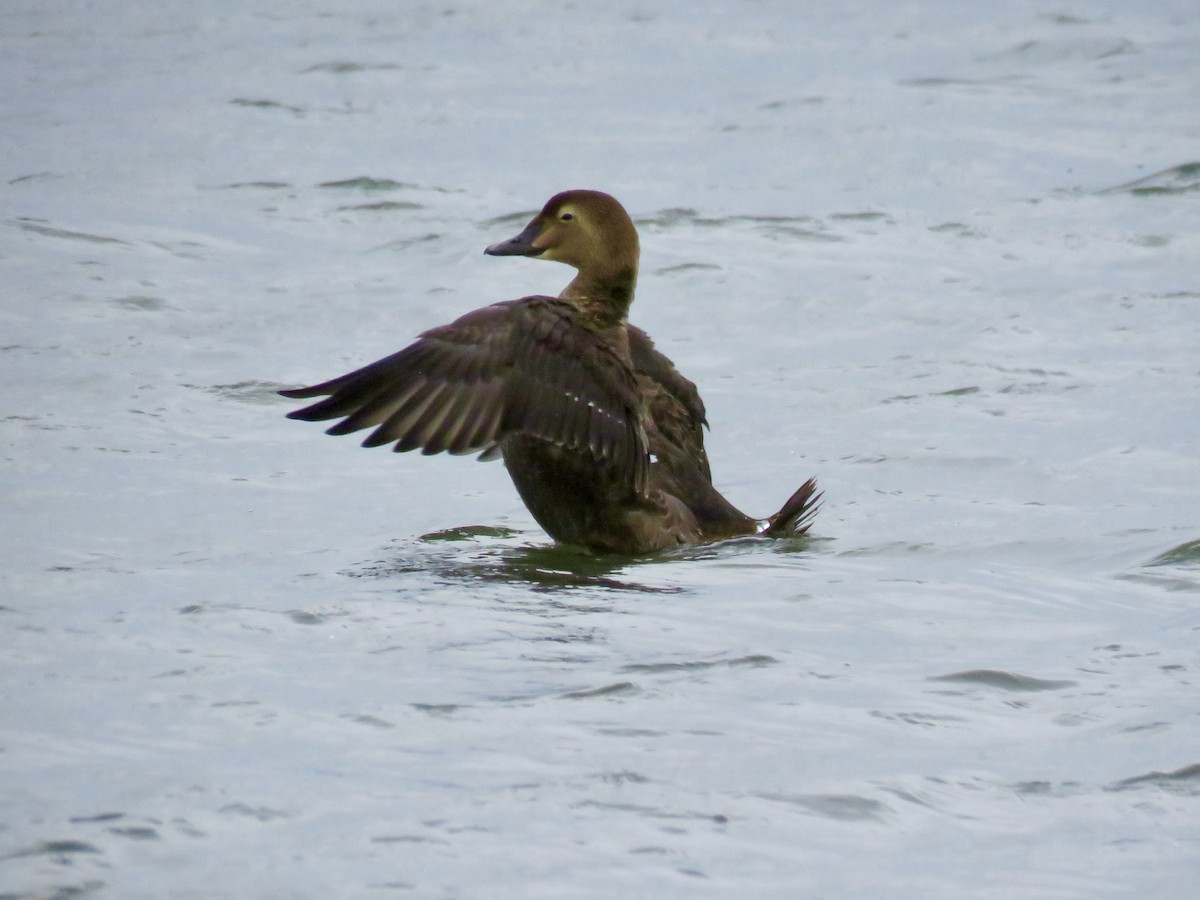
(524, 366)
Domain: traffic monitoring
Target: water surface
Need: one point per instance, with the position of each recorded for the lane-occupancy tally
(942, 258)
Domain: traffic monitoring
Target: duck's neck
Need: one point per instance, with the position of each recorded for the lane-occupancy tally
(603, 299)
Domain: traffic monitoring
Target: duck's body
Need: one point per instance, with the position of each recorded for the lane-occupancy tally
(602, 436)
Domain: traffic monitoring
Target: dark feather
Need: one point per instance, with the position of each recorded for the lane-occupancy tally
(527, 366)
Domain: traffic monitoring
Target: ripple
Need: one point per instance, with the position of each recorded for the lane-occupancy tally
(608, 690)
(437, 709)
(266, 104)
(653, 812)
(1049, 788)
(755, 661)
(99, 817)
(255, 392)
(1187, 554)
(1175, 180)
(261, 813)
(38, 226)
(1006, 681)
(303, 617)
(365, 719)
(258, 185)
(687, 267)
(34, 177)
(922, 719)
(54, 848)
(842, 807)
(778, 226)
(381, 206)
(346, 68)
(137, 833)
(141, 303)
(1185, 781)
(366, 183)
(1007, 83)
(1052, 52)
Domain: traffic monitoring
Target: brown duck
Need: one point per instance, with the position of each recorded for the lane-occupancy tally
(601, 434)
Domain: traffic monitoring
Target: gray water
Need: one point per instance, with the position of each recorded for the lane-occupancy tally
(941, 256)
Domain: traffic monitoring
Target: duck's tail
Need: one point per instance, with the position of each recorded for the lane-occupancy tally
(797, 515)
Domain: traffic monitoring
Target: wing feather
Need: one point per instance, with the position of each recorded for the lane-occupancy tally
(528, 366)
(408, 426)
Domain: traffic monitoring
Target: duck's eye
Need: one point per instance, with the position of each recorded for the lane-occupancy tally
(566, 217)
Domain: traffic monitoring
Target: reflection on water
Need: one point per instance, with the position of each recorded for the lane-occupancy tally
(491, 554)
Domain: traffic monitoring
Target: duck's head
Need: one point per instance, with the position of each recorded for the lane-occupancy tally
(586, 229)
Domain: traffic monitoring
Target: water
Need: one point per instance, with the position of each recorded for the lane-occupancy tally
(942, 258)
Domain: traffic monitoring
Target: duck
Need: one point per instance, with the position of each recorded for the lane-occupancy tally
(601, 434)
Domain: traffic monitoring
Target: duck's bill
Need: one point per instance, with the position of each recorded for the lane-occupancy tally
(521, 245)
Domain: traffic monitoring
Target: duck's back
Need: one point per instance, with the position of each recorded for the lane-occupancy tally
(675, 423)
